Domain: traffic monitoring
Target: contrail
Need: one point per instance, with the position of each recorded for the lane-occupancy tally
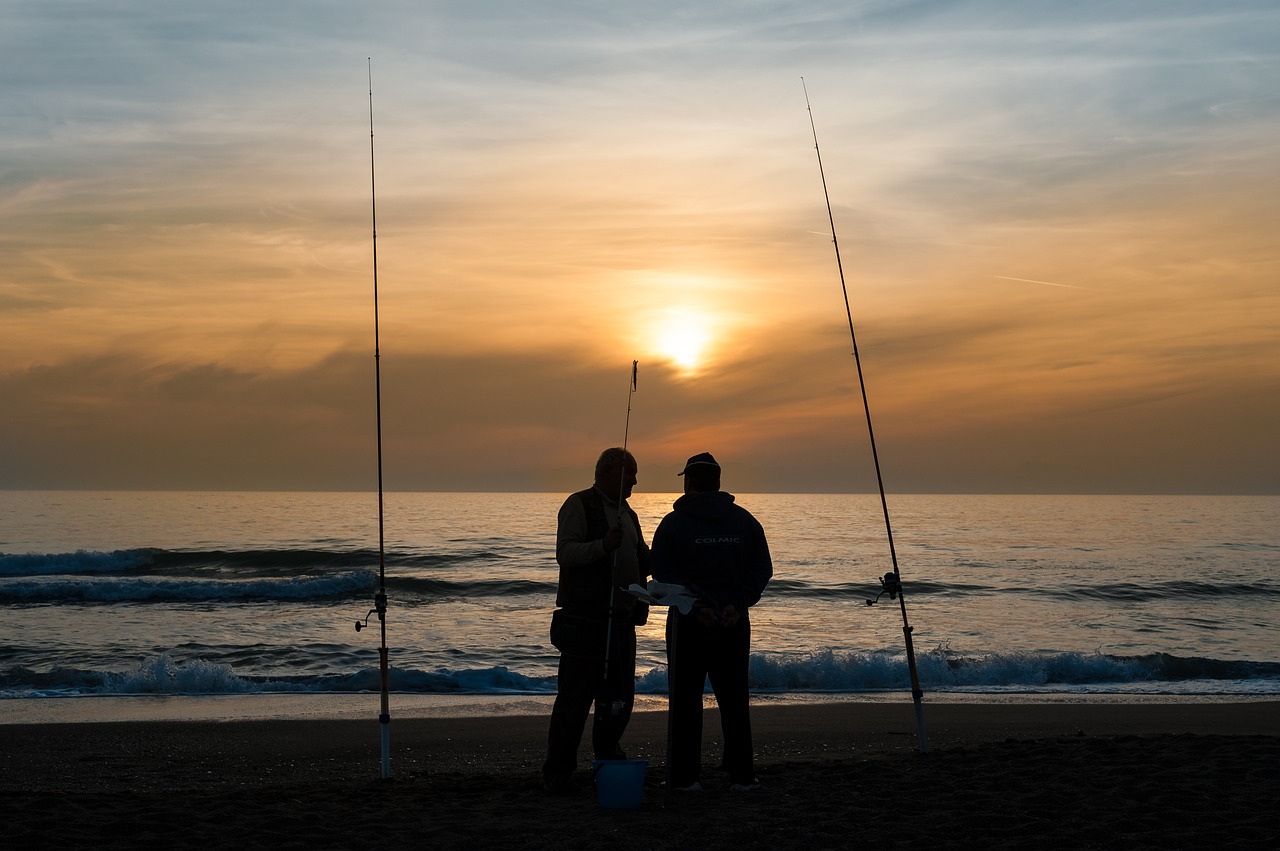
(1046, 283)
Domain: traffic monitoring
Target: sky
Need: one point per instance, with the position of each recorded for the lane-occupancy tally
(1057, 228)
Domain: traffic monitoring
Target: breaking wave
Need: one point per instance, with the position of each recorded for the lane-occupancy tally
(820, 672)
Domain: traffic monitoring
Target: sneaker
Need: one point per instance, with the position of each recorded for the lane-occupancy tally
(744, 785)
(695, 786)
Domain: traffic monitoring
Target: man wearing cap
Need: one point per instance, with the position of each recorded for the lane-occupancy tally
(717, 550)
(600, 551)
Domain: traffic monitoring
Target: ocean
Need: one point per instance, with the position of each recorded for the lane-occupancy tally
(142, 594)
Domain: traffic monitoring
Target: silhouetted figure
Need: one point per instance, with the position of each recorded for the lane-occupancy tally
(718, 551)
(599, 548)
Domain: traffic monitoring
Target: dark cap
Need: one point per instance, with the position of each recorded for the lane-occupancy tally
(702, 459)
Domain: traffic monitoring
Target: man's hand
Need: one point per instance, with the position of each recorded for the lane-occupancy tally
(707, 616)
(612, 539)
(729, 615)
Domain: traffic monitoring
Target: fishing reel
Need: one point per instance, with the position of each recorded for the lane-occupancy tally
(379, 606)
(892, 586)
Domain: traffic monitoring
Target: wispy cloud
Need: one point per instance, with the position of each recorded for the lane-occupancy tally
(184, 222)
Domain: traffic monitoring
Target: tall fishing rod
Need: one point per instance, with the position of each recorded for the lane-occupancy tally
(891, 583)
(380, 599)
(622, 489)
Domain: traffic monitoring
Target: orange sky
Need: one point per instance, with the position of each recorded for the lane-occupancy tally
(1058, 230)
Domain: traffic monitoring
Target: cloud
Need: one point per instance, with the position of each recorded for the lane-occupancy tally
(185, 287)
(791, 420)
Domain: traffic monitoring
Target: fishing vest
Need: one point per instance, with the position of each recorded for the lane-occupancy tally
(584, 588)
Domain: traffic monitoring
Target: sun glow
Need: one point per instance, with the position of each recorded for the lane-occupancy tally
(682, 337)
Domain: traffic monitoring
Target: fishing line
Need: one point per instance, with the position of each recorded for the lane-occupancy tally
(380, 599)
(891, 583)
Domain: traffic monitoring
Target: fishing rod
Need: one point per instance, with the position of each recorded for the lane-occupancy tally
(380, 599)
(622, 489)
(891, 583)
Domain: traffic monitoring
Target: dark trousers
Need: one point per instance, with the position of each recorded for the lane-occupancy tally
(579, 683)
(694, 653)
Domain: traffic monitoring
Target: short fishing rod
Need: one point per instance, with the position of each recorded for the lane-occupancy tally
(622, 489)
(890, 582)
(380, 599)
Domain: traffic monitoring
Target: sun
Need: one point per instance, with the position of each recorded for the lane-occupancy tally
(682, 337)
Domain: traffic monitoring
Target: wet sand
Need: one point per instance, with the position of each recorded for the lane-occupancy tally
(1094, 775)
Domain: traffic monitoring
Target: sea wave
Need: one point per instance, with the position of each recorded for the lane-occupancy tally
(942, 670)
(1132, 592)
(78, 562)
(820, 672)
(153, 575)
(359, 583)
(265, 563)
(82, 589)
(1123, 592)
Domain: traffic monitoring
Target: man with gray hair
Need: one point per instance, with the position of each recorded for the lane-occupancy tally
(601, 552)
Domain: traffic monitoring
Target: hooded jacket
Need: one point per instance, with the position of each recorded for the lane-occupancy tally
(714, 548)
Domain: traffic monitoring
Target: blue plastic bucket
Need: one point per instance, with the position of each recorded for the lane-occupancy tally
(620, 783)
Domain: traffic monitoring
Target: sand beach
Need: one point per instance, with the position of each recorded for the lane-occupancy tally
(841, 775)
